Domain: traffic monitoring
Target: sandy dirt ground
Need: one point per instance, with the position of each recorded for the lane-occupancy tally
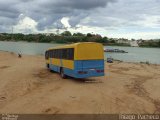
(26, 86)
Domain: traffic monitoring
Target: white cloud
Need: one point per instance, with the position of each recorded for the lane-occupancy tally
(65, 22)
(25, 25)
(136, 35)
(122, 18)
(152, 21)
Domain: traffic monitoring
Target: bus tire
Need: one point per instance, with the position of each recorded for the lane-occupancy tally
(48, 66)
(62, 73)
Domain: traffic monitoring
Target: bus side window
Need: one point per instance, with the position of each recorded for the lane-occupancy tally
(50, 54)
(67, 54)
(64, 53)
(59, 53)
(70, 54)
(47, 54)
(54, 54)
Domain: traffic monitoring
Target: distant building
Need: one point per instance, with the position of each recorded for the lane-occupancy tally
(140, 41)
(123, 41)
(134, 43)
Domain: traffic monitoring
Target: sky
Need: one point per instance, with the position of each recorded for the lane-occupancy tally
(138, 19)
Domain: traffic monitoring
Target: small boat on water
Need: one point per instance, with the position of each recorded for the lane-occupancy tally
(115, 50)
(110, 60)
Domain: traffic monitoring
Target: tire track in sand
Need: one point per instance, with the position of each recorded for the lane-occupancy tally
(137, 88)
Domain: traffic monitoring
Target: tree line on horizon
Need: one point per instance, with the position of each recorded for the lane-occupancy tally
(67, 37)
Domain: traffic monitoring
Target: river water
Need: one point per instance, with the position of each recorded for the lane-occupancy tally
(135, 54)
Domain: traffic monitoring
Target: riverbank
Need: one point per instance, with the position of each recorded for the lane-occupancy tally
(27, 87)
(104, 44)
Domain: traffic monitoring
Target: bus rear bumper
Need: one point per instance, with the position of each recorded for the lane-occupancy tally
(88, 74)
(85, 73)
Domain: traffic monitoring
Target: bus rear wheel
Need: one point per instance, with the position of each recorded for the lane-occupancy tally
(62, 74)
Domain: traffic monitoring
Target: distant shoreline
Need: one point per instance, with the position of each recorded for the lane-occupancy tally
(71, 43)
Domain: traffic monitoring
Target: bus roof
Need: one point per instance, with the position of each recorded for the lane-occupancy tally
(72, 45)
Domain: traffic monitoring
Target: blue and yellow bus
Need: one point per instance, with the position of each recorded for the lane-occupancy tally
(79, 60)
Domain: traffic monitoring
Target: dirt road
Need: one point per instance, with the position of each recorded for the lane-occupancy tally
(26, 86)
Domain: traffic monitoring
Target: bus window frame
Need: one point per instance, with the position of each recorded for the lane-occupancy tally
(64, 53)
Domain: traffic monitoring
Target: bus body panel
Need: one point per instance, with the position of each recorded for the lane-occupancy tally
(63, 63)
(54, 68)
(69, 72)
(83, 69)
(55, 62)
(48, 61)
(89, 51)
(88, 60)
(68, 64)
(89, 68)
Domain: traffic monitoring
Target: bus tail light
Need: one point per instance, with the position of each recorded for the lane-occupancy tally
(100, 71)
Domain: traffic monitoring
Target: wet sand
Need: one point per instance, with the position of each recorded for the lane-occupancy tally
(26, 86)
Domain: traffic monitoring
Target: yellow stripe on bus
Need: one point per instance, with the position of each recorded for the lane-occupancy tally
(64, 63)
(68, 64)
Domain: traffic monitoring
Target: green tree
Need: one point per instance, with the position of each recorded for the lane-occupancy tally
(66, 33)
(159, 43)
(78, 34)
(89, 35)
